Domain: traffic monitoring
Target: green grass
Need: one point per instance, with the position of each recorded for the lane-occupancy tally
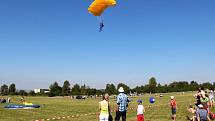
(59, 107)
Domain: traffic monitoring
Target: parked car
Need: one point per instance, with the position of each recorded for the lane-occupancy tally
(2, 100)
(80, 97)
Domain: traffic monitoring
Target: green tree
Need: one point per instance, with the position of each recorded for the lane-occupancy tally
(207, 85)
(138, 89)
(194, 86)
(165, 88)
(66, 88)
(213, 85)
(125, 87)
(55, 89)
(90, 91)
(32, 93)
(76, 90)
(183, 86)
(99, 92)
(152, 85)
(173, 87)
(23, 93)
(12, 89)
(4, 89)
(159, 88)
(110, 89)
(83, 89)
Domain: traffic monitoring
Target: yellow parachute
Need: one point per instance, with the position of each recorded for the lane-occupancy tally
(98, 6)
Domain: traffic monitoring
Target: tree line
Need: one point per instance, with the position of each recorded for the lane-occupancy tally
(152, 87)
(66, 90)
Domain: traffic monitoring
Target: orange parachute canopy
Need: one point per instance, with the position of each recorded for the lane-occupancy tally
(98, 6)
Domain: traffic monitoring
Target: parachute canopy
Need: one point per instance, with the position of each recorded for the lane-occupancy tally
(98, 6)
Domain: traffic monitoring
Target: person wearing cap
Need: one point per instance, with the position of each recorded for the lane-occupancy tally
(173, 106)
(202, 114)
(140, 111)
(122, 104)
(104, 108)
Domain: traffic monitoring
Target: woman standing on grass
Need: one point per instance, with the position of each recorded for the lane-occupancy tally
(104, 108)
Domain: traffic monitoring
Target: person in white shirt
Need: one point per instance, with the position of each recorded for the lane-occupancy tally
(211, 96)
(140, 111)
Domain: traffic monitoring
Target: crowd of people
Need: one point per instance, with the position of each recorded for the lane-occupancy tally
(202, 107)
(122, 104)
(121, 109)
(200, 110)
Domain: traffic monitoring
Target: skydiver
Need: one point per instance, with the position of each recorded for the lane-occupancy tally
(101, 26)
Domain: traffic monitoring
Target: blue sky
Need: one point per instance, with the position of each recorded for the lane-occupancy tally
(42, 41)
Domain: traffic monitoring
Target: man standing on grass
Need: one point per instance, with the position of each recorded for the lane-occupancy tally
(122, 104)
(173, 106)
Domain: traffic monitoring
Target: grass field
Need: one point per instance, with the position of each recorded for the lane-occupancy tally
(59, 107)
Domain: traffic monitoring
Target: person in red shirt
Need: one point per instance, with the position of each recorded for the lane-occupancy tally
(173, 106)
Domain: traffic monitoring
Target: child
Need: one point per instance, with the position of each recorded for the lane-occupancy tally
(192, 110)
(140, 111)
(173, 106)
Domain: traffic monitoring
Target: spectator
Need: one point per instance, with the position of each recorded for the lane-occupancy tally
(140, 111)
(211, 96)
(104, 108)
(122, 104)
(205, 102)
(202, 114)
(173, 106)
(192, 110)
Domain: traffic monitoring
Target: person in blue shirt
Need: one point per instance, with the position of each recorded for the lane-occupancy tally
(122, 103)
(202, 114)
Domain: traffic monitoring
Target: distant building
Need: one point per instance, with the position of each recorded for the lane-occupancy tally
(41, 90)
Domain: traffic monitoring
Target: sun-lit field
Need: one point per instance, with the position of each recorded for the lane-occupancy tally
(84, 110)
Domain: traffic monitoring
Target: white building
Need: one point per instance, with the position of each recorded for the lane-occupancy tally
(41, 90)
